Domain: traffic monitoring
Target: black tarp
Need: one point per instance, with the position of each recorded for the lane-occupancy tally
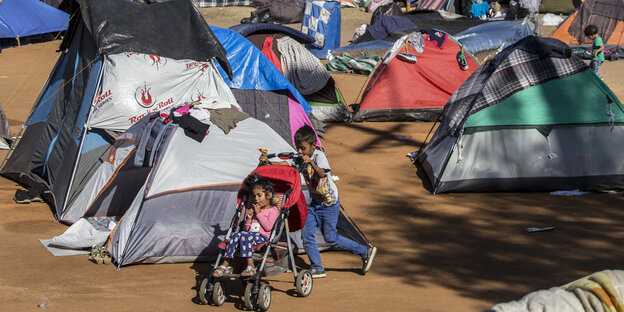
(173, 29)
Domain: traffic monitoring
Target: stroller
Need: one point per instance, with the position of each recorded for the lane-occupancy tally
(293, 211)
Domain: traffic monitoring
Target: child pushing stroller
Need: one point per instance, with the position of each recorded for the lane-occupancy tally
(269, 198)
(323, 210)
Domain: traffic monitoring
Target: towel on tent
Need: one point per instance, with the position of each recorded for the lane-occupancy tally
(304, 70)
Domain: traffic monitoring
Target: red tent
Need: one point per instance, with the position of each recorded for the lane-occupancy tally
(400, 90)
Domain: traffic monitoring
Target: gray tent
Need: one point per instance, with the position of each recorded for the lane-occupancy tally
(163, 197)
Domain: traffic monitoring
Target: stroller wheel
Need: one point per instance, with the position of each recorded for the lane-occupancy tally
(218, 294)
(204, 292)
(264, 297)
(250, 302)
(304, 283)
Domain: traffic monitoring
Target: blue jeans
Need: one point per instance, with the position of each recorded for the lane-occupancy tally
(326, 219)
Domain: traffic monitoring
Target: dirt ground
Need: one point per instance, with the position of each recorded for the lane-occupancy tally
(449, 252)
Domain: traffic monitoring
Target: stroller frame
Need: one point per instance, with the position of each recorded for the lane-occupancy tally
(257, 291)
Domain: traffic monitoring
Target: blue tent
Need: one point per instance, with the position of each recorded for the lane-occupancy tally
(251, 69)
(21, 18)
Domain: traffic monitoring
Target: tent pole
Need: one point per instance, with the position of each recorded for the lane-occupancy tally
(12, 147)
(71, 179)
(18, 41)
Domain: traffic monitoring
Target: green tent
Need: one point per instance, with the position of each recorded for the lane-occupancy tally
(533, 118)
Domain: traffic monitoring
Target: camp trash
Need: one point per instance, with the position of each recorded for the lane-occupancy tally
(43, 303)
(539, 229)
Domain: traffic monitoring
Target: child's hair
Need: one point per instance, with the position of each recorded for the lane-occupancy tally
(254, 180)
(305, 134)
(590, 30)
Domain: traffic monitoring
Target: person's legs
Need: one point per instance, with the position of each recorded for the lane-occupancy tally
(231, 246)
(246, 244)
(595, 66)
(328, 219)
(309, 241)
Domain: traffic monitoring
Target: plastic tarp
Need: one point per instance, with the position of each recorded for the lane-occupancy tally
(21, 18)
(176, 29)
(251, 69)
(493, 35)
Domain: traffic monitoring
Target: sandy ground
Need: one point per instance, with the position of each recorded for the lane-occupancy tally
(450, 252)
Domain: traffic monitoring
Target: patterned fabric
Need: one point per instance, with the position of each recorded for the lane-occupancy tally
(304, 70)
(432, 4)
(313, 25)
(245, 242)
(220, 3)
(488, 86)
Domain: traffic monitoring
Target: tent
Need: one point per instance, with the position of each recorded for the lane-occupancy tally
(391, 28)
(326, 103)
(162, 197)
(107, 78)
(533, 118)
(21, 18)
(607, 15)
(260, 89)
(559, 6)
(175, 197)
(402, 90)
(5, 131)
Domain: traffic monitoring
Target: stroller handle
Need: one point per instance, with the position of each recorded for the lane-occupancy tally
(284, 155)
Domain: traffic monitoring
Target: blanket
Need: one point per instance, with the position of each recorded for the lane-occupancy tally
(599, 292)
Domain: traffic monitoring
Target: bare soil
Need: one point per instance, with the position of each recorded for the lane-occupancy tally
(449, 252)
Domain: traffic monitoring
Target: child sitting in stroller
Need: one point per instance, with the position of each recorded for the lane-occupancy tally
(259, 221)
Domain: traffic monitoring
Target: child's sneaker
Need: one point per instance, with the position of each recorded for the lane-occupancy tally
(318, 273)
(367, 261)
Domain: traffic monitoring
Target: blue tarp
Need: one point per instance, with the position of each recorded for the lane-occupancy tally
(493, 35)
(251, 70)
(30, 17)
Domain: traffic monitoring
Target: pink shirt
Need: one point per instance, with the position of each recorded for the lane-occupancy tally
(266, 218)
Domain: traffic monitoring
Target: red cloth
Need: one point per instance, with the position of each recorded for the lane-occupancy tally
(267, 50)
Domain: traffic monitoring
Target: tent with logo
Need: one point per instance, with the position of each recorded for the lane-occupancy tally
(105, 80)
(415, 79)
(21, 18)
(326, 103)
(533, 118)
(606, 15)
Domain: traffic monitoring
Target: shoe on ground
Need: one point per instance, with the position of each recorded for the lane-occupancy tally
(21, 197)
(318, 273)
(367, 261)
(34, 196)
(249, 271)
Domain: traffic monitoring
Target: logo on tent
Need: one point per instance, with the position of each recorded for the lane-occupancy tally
(198, 96)
(202, 65)
(156, 60)
(143, 96)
